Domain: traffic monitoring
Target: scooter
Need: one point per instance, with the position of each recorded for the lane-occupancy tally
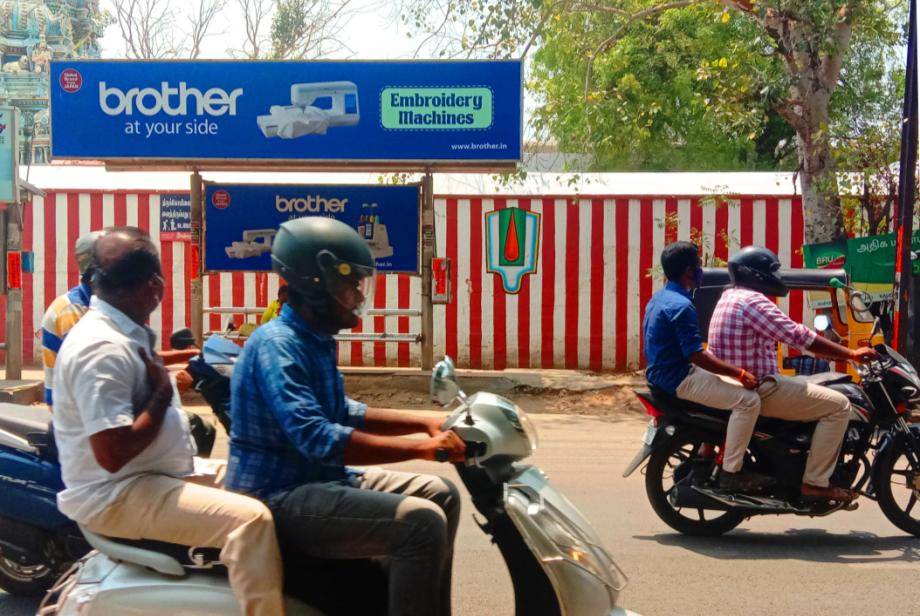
(37, 542)
(556, 560)
(211, 370)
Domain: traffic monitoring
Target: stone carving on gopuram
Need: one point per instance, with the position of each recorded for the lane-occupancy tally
(31, 35)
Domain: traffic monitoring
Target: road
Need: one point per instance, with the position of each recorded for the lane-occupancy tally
(855, 562)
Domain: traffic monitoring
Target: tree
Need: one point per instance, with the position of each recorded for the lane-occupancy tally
(308, 28)
(866, 137)
(256, 14)
(783, 59)
(202, 18)
(147, 28)
(292, 29)
(662, 98)
(150, 31)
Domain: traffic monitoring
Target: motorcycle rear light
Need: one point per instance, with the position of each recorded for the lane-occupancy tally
(901, 408)
(649, 408)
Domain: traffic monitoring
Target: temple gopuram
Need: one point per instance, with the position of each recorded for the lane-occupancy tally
(31, 35)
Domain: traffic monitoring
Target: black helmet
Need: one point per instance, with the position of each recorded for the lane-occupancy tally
(757, 268)
(322, 258)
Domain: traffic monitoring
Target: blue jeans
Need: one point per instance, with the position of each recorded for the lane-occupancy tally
(410, 520)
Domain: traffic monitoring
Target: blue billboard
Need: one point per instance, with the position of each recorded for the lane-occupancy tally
(329, 111)
(241, 221)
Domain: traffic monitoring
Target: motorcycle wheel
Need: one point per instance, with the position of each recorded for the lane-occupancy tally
(898, 490)
(659, 479)
(24, 580)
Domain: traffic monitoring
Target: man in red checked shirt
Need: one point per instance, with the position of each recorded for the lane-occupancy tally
(745, 328)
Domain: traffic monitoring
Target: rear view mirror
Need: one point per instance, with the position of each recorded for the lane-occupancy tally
(444, 388)
(182, 339)
(822, 323)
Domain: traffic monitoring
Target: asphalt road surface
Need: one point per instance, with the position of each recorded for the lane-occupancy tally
(850, 562)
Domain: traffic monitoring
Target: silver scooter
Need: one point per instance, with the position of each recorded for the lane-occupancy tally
(556, 561)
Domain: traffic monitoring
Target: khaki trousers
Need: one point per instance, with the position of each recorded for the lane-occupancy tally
(782, 397)
(795, 399)
(722, 392)
(196, 512)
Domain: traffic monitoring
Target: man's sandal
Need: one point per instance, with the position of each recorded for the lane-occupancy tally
(816, 494)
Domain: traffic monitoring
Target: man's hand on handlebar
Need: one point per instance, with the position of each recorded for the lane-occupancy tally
(433, 425)
(864, 354)
(445, 447)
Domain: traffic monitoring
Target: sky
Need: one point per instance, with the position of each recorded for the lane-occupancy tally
(371, 32)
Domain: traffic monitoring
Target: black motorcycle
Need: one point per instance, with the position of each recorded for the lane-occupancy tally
(879, 459)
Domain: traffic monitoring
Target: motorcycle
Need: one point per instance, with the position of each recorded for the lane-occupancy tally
(37, 542)
(556, 561)
(879, 458)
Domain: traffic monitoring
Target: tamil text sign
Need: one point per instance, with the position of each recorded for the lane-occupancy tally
(175, 218)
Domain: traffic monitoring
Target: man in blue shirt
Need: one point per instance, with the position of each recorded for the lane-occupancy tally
(294, 431)
(679, 365)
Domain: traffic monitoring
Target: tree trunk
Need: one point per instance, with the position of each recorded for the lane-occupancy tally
(820, 200)
(813, 66)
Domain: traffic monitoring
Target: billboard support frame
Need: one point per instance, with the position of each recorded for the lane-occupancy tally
(427, 248)
(197, 247)
(428, 245)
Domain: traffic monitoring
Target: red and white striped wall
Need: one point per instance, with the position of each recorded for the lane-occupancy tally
(582, 308)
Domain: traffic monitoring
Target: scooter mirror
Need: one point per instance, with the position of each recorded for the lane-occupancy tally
(182, 339)
(444, 388)
(822, 323)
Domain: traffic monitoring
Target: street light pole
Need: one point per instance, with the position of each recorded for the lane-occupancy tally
(907, 186)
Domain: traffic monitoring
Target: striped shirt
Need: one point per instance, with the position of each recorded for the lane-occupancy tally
(745, 328)
(61, 316)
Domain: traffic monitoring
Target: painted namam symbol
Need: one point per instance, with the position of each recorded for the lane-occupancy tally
(512, 245)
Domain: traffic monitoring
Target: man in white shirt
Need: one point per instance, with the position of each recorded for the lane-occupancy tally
(124, 443)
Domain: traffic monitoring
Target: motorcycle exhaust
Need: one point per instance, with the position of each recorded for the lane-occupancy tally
(687, 496)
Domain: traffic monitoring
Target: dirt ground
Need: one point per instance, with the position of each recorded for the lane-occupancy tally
(613, 400)
(397, 393)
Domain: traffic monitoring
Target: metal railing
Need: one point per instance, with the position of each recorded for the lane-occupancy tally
(373, 312)
(388, 337)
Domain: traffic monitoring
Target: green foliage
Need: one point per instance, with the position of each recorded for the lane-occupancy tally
(288, 26)
(703, 85)
(680, 91)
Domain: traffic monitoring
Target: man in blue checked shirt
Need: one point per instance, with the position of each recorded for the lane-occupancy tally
(295, 431)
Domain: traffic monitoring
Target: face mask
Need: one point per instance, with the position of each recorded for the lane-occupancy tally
(698, 277)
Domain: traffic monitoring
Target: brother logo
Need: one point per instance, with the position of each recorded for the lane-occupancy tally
(313, 204)
(171, 101)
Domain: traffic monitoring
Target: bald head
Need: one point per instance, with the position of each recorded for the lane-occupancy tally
(124, 259)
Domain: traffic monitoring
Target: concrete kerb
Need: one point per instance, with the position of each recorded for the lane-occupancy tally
(497, 381)
(21, 392)
(30, 390)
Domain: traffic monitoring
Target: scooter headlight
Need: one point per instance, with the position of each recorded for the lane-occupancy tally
(574, 547)
(530, 430)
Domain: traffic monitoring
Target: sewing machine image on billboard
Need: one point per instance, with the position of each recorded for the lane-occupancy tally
(314, 108)
(256, 242)
(374, 232)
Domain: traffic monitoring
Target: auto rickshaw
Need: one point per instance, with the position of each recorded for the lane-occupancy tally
(846, 320)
